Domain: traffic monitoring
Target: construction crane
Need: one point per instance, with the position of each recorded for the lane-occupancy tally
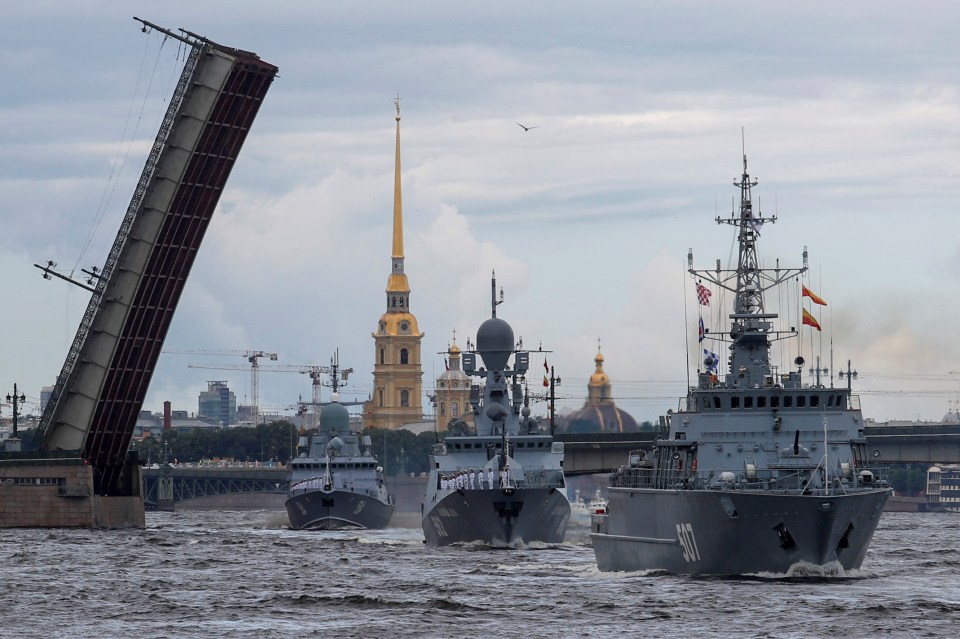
(253, 357)
(338, 376)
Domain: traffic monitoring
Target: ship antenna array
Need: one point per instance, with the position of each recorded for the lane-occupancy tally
(493, 293)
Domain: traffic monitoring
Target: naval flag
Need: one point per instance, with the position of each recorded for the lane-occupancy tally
(703, 294)
(810, 321)
(710, 360)
(816, 299)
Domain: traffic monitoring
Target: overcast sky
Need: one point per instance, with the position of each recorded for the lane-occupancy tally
(849, 114)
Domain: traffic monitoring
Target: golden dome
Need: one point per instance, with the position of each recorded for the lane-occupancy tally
(599, 378)
(454, 350)
(398, 324)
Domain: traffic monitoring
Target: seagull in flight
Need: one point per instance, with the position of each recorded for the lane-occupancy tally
(527, 128)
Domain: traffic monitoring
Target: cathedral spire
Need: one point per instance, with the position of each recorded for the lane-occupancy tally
(398, 289)
(397, 374)
(397, 197)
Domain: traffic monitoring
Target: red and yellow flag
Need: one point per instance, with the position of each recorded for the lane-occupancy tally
(816, 299)
(810, 321)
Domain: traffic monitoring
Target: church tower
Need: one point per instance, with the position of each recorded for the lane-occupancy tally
(453, 391)
(397, 375)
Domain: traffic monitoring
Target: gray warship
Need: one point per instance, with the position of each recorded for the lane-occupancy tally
(501, 483)
(335, 481)
(757, 472)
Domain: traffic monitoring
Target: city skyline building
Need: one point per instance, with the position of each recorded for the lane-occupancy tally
(218, 403)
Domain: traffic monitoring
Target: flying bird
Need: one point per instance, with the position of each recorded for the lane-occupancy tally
(527, 128)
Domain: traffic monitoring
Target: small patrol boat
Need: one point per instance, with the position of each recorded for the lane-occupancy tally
(335, 481)
(583, 510)
(758, 472)
(501, 482)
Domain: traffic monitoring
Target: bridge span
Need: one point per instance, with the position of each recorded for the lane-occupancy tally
(585, 454)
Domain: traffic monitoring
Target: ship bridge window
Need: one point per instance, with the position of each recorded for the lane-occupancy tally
(716, 401)
(774, 402)
(748, 402)
(802, 401)
(734, 402)
(761, 402)
(814, 400)
(788, 402)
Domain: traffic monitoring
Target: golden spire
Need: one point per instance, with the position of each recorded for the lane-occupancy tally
(398, 289)
(397, 199)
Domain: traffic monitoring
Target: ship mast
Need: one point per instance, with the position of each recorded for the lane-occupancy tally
(749, 298)
(751, 327)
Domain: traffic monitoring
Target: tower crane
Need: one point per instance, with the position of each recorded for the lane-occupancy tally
(253, 357)
(338, 376)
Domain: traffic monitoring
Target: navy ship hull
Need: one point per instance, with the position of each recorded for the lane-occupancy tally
(714, 532)
(337, 510)
(498, 517)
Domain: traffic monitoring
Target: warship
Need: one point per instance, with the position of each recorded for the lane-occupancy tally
(335, 481)
(757, 472)
(498, 482)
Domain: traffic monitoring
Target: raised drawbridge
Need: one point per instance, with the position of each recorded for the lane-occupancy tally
(105, 377)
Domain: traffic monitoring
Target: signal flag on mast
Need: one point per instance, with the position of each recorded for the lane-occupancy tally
(816, 299)
(810, 321)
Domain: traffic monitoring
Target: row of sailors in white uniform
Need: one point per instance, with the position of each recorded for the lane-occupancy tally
(469, 479)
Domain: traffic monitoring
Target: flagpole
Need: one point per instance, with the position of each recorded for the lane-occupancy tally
(686, 331)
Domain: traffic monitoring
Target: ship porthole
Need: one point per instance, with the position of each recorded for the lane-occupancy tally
(826, 506)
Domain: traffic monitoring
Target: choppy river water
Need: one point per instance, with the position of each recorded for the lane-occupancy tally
(244, 574)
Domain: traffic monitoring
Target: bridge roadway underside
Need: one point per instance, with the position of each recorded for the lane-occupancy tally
(905, 445)
(592, 453)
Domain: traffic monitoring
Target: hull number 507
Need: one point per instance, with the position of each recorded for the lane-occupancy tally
(687, 542)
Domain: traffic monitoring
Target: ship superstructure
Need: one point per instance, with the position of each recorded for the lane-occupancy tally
(499, 482)
(335, 481)
(757, 471)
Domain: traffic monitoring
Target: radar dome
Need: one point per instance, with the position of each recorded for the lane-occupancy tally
(495, 343)
(334, 418)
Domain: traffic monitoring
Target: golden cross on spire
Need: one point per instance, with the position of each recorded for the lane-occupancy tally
(396, 102)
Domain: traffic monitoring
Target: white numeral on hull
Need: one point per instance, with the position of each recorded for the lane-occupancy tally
(687, 542)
